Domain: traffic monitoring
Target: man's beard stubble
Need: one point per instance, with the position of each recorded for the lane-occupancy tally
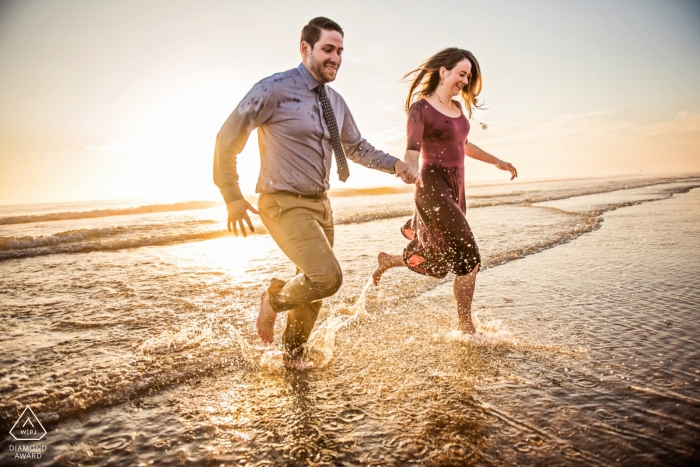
(317, 68)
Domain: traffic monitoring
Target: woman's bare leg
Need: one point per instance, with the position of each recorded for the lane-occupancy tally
(463, 289)
(384, 262)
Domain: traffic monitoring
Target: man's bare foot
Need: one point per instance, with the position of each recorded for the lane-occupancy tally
(466, 325)
(266, 320)
(299, 364)
(383, 261)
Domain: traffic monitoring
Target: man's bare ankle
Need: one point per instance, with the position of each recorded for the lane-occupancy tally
(265, 322)
(299, 364)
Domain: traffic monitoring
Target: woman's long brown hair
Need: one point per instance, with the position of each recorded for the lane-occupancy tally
(427, 76)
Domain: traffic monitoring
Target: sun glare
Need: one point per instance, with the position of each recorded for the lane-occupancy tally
(234, 256)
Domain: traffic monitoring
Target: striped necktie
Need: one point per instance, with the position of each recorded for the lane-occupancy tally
(343, 170)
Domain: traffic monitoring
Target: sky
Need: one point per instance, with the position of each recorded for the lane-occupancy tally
(123, 99)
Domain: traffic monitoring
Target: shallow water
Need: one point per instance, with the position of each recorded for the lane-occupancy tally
(588, 350)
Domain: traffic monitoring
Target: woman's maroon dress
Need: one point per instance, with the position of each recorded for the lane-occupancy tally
(440, 238)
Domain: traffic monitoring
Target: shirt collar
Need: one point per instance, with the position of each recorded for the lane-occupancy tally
(308, 78)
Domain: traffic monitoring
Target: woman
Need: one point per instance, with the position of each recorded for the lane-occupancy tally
(440, 240)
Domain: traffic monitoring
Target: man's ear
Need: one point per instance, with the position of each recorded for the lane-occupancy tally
(304, 49)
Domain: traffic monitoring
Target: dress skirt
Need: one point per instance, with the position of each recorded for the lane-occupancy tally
(440, 238)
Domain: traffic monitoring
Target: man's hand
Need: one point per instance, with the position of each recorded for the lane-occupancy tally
(237, 213)
(407, 173)
(509, 167)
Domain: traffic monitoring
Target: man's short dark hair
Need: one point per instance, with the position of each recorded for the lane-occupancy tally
(312, 31)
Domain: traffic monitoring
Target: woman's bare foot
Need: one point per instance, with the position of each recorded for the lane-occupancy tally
(299, 364)
(466, 325)
(266, 320)
(381, 268)
(384, 262)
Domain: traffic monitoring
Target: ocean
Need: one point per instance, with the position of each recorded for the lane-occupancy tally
(129, 330)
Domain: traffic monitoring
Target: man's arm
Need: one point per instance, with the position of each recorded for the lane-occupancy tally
(412, 159)
(254, 110)
(357, 149)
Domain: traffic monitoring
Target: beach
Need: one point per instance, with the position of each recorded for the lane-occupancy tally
(129, 330)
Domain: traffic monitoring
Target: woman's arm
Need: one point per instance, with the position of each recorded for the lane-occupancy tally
(415, 127)
(475, 152)
(411, 158)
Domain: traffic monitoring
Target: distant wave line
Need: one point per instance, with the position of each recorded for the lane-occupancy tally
(86, 235)
(148, 209)
(111, 244)
(513, 197)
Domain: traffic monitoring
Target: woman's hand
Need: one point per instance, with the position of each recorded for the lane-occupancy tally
(411, 159)
(507, 166)
(475, 152)
(408, 174)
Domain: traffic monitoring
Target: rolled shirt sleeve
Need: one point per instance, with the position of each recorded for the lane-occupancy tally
(357, 149)
(254, 110)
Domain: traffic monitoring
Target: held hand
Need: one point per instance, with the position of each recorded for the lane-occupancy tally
(507, 166)
(407, 173)
(237, 213)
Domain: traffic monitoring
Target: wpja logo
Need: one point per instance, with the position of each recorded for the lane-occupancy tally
(28, 427)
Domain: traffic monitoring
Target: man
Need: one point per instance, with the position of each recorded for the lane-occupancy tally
(301, 123)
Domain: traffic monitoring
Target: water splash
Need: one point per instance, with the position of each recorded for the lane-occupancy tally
(320, 346)
(271, 360)
(321, 343)
(488, 333)
(493, 333)
(249, 353)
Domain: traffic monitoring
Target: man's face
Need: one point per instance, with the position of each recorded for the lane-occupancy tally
(323, 61)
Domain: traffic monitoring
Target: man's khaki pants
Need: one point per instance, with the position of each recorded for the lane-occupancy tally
(303, 229)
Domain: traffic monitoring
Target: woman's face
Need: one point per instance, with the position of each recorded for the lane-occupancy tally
(456, 78)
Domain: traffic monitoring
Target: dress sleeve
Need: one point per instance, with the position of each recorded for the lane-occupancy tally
(415, 127)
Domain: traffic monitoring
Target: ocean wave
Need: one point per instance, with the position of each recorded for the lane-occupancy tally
(87, 235)
(148, 209)
(98, 235)
(372, 216)
(374, 191)
(585, 224)
(52, 404)
(150, 365)
(108, 244)
(532, 197)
